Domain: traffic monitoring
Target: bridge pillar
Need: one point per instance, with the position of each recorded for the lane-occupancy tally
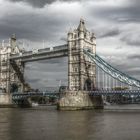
(5, 100)
(79, 100)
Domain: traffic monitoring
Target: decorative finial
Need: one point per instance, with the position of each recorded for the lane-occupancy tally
(82, 21)
(70, 30)
(13, 36)
(81, 26)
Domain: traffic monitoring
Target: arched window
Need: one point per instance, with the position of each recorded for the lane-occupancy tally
(88, 85)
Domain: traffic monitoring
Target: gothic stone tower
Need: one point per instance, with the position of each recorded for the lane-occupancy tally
(81, 72)
(8, 76)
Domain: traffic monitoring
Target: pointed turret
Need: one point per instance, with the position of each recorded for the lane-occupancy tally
(70, 33)
(93, 37)
(81, 26)
(13, 36)
(13, 41)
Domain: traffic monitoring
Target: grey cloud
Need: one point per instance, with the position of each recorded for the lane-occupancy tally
(35, 3)
(48, 68)
(32, 26)
(40, 3)
(135, 57)
(58, 61)
(122, 66)
(131, 70)
(63, 39)
(124, 13)
(131, 39)
(36, 80)
(118, 47)
(134, 2)
(134, 72)
(46, 76)
(110, 33)
(28, 67)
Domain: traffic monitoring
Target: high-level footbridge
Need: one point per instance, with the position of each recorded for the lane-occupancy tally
(41, 54)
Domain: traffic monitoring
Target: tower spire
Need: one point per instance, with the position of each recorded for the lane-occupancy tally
(81, 26)
(13, 40)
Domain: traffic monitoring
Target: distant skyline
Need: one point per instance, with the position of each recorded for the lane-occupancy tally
(116, 24)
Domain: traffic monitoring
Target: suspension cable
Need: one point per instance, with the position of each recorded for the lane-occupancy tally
(107, 68)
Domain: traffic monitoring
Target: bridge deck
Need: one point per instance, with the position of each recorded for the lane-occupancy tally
(41, 54)
(91, 93)
(19, 96)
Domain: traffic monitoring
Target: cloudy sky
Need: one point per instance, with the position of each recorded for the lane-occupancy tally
(116, 24)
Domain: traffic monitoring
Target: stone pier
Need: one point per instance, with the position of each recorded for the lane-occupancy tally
(5, 100)
(79, 100)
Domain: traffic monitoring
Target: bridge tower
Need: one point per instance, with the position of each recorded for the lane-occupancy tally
(9, 76)
(81, 72)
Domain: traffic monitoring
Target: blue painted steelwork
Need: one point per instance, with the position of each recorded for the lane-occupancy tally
(114, 92)
(115, 73)
(19, 96)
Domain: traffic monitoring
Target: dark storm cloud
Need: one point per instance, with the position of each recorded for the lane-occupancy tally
(110, 33)
(35, 3)
(40, 3)
(46, 75)
(32, 26)
(124, 13)
(49, 66)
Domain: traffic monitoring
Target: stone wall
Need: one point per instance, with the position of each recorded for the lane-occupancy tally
(78, 100)
(5, 100)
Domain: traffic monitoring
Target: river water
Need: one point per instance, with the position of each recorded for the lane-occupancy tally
(46, 123)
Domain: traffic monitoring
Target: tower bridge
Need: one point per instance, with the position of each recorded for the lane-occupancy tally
(89, 76)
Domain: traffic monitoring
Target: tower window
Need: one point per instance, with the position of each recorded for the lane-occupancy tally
(75, 69)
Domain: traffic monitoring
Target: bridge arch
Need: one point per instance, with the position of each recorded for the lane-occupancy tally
(89, 85)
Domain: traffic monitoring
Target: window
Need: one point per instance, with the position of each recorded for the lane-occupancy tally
(75, 69)
(75, 58)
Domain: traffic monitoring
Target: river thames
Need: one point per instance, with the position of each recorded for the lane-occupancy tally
(46, 123)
